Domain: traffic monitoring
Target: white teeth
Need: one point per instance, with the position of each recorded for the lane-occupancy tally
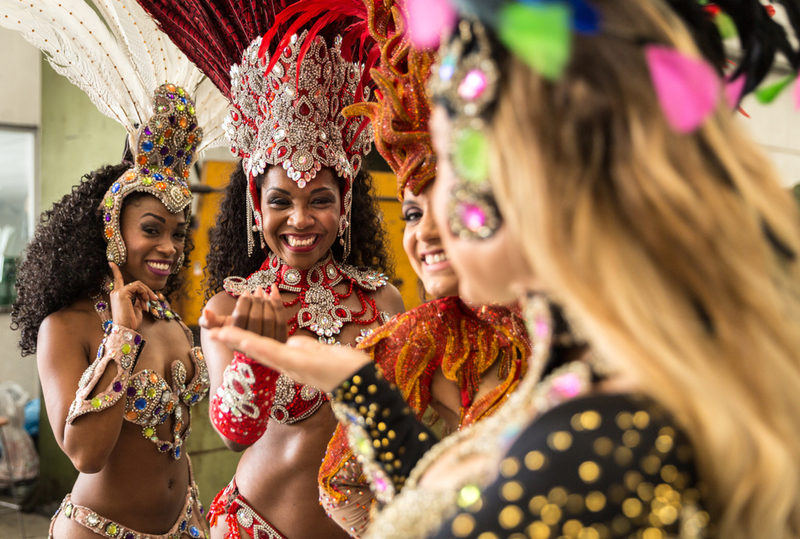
(296, 242)
(435, 258)
(159, 266)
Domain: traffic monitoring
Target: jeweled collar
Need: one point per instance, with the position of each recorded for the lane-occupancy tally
(327, 272)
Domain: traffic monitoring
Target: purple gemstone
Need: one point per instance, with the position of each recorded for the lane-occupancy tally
(157, 410)
(164, 150)
(147, 131)
(137, 340)
(129, 535)
(472, 216)
(131, 391)
(101, 306)
(172, 120)
(179, 153)
(117, 386)
(108, 218)
(163, 448)
(192, 127)
(171, 96)
(145, 171)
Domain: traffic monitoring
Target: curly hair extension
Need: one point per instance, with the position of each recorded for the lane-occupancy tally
(228, 239)
(67, 256)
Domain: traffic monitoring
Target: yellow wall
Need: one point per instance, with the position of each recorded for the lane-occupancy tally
(405, 278)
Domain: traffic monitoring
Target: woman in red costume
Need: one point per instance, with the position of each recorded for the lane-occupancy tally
(296, 215)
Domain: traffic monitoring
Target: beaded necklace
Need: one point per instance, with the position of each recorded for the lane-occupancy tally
(321, 307)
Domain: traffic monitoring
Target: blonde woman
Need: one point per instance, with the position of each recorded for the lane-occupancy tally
(665, 234)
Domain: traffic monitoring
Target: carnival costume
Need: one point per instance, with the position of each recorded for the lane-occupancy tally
(556, 460)
(443, 334)
(116, 54)
(285, 111)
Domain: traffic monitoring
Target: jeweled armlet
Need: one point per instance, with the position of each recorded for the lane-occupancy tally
(240, 408)
(120, 346)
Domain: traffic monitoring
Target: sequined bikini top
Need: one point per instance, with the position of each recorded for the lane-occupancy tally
(150, 400)
(321, 312)
(321, 307)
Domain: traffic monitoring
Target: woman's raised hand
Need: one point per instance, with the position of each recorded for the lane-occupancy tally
(259, 312)
(128, 301)
(303, 359)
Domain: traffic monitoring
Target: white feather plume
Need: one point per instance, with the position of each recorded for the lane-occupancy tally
(119, 58)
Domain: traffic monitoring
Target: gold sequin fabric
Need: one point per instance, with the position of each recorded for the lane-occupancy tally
(597, 467)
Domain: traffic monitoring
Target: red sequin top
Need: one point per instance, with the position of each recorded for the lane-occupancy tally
(252, 394)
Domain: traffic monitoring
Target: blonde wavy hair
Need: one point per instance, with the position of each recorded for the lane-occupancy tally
(675, 253)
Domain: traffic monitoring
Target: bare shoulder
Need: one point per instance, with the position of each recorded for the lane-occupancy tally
(388, 299)
(221, 303)
(69, 330)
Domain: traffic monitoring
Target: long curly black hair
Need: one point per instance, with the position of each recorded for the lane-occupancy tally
(67, 256)
(228, 238)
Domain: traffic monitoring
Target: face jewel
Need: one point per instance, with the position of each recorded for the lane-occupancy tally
(473, 85)
(448, 67)
(473, 216)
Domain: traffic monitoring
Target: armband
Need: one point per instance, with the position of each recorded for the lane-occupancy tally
(120, 346)
(240, 409)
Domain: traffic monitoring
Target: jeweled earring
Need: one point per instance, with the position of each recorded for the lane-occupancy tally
(254, 221)
(112, 255)
(179, 265)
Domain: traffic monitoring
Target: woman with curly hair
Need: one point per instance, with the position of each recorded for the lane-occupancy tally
(299, 225)
(119, 370)
(97, 276)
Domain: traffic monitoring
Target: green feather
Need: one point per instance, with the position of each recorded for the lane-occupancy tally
(471, 155)
(539, 34)
(769, 93)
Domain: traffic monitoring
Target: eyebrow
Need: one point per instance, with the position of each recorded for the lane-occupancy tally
(155, 216)
(182, 223)
(285, 192)
(409, 203)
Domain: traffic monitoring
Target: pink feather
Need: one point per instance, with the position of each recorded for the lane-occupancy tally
(688, 89)
(427, 19)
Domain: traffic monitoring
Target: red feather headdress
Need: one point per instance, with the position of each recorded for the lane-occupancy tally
(285, 106)
(402, 111)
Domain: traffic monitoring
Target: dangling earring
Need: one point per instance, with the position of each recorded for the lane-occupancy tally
(179, 265)
(253, 228)
(113, 254)
(344, 236)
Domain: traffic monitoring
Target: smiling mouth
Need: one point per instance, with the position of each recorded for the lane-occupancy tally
(160, 266)
(434, 258)
(300, 242)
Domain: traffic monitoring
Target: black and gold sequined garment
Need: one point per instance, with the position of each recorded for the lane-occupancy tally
(597, 467)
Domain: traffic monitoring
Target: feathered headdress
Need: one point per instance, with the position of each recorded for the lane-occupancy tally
(285, 106)
(131, 72)
(401, 112)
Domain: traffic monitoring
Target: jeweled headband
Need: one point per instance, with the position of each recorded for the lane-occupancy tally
(540, 34)
(290, 116)
(163, 152)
